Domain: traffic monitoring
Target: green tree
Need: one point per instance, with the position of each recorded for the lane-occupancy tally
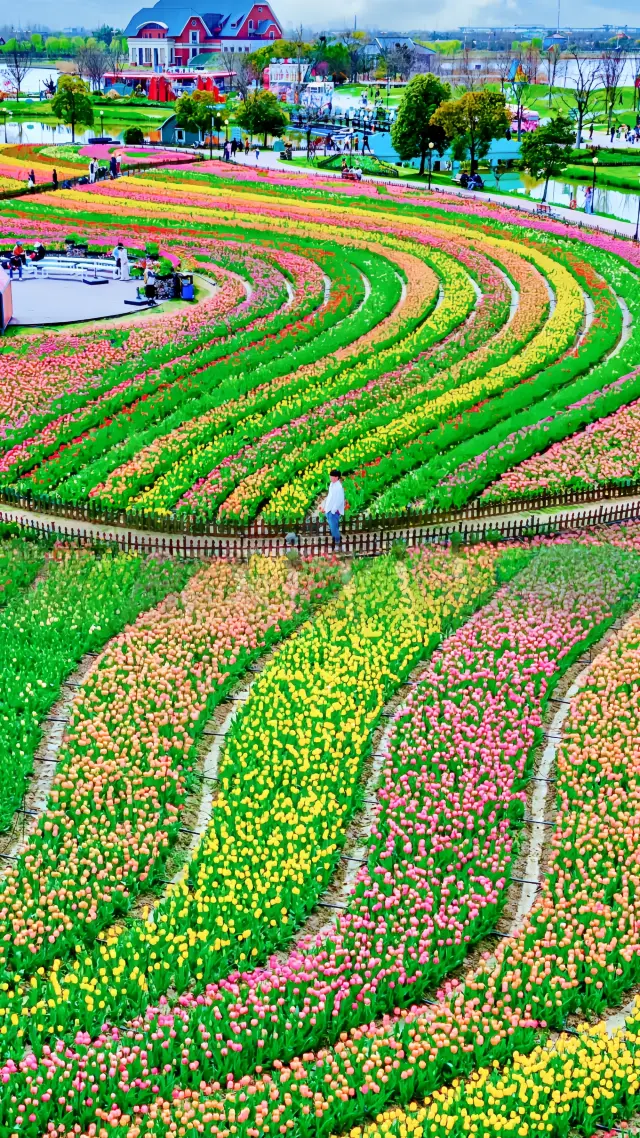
(37, 42)
(133, 136)
(472, 122)
(261, 113)
(196, 112)
(545, 152)
(71, 103)
(104, 33)
(413, 130)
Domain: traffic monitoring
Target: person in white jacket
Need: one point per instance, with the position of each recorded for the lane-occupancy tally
(333, 507)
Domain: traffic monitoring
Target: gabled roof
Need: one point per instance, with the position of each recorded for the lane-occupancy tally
(175, 16)
(388, 43)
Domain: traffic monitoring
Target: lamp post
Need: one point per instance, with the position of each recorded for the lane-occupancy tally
(101, 124)
(635, 236)
(211, 137)
(595, 167)
(430, 161)
(226, 130)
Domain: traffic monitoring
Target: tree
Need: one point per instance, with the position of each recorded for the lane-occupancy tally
(504, 59)
(198, 112)
(245, 74)
(412, 130)
(92, 62)
(228, 61)
(17, 61)
(400, 61)
(584, 92)
(472, 122)
(133, 136)
(104, 33)
(71, 103)
(522, 91)
(261, 113)
(545, 152)
(551, 59)
(610, 73)
(635, 71)
(117, 55)
(355, 43)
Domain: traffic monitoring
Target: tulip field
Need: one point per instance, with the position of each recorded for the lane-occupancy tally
(299, 844)
(431, 347)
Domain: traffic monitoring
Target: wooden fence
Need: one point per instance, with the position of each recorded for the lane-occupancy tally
(357, 543)
(92, 513)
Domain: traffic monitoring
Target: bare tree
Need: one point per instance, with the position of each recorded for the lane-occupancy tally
(117, 55)
(582, 89)
(229, 60)
(245, 74)
(551, 59)
(532, 62)
(92, 62)
(504, 60)
(610, 73)
(471, 78)
(17, 62)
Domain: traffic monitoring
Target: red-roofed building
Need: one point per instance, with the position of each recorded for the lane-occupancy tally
(171, 35)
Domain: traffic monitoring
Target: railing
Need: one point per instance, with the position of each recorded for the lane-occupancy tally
(189, 524)
(355, 543)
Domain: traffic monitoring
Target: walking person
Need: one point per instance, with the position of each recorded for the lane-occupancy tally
(54, 179)
(333, 507)
(31, 181)
(113, 166)
(246, 147)
(257, 152)
(92, 172)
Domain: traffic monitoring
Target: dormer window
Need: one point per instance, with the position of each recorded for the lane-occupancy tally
(250, 25)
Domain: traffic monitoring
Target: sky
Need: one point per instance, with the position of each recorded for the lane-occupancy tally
(336, 14)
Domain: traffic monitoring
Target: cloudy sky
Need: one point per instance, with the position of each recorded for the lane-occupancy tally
(321, 14)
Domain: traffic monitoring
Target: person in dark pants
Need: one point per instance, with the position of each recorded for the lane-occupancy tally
(54, 179)
(113, 166)
(333, 508)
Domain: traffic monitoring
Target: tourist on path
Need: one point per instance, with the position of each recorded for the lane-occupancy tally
(92, 172)
(333, 507)
(54, 179)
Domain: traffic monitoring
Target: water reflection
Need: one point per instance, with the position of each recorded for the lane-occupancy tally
(622, 204)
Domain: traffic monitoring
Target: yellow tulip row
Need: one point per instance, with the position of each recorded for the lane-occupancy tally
(588, 1079)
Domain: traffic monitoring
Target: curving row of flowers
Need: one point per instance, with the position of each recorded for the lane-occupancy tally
(126, 763)
(536, 977)
(79, 602)
(414, 907)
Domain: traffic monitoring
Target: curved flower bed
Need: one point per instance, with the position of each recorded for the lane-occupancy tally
(240, 424)
(125, 764)
(79, 603)
(489, 1015)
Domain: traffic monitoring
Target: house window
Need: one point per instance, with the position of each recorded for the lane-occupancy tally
(194, 37)
(270, 35)
(250, 25)
(147, 55)
(179, 134)
(194, 52)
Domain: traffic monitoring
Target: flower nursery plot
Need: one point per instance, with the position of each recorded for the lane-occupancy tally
(425, 345)
(263, 821)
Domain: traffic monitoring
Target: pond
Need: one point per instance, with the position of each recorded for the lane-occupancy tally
(18, 131)
(616, 203)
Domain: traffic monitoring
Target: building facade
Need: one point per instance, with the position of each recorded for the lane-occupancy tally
(169, 35)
